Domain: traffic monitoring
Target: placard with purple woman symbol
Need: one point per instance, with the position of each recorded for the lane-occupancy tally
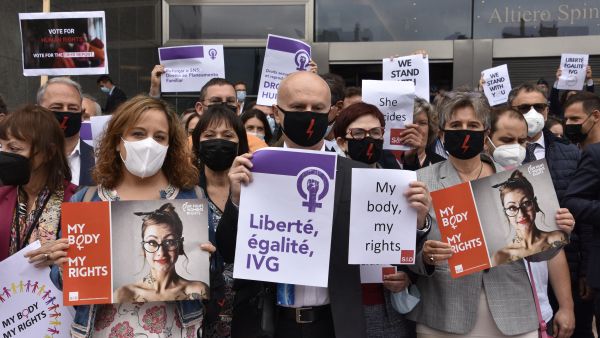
(282, 57)
(286, 217)
(189, 68)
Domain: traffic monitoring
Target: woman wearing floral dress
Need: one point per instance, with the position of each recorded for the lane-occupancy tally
(143, 155)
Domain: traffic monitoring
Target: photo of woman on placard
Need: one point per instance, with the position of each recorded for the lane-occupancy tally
(162, 244)
(521, 208)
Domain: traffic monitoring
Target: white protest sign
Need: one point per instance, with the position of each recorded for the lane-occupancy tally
(282, 57)
(30, 304)
(188, 68)
(496, 84)
(413, 68)
(98, 126)
(373, 273)
(395, 99)
(573, 67)
(286, 216)
(383, 227)
(64, 43)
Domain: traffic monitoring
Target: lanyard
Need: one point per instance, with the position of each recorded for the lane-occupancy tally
(29, 227)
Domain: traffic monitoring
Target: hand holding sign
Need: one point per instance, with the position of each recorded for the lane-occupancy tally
(396, 282)
(565, 220)
(155, 75)
(496, 84)
(419, 199)
(573, 71)
(414, 68)
(395, 99)
(239, 174)
(53, 252)
(435, 252)
(412, 137)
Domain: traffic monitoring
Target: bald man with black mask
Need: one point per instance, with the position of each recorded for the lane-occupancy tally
(303, 102)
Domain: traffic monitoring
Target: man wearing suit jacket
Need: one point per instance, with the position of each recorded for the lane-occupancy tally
(63, 96)
(303, 103)
(582, 114)
(562, 158)
(115, 95)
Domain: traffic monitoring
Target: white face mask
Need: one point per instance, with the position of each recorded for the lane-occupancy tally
(260, 136)
(272, 123)
(535, 122)
(329, 128)
(144, 157)
(406, 300)
(508, 156)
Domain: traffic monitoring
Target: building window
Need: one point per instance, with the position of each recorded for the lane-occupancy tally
(246, 21)
(494, 19)
(378, 20)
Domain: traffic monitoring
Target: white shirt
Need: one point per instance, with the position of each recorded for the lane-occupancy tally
(75, 163)
(540, 149)
(539, 270)
(309, 295)
(333, 145)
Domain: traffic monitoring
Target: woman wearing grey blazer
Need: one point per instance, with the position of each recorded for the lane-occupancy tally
(493, 303)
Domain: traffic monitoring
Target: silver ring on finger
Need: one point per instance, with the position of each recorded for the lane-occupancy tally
(46, 256)
(431, 258)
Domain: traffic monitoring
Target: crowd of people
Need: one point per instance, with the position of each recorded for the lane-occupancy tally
(149, 152)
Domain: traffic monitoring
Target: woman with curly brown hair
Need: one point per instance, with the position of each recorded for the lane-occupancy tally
(143, 155)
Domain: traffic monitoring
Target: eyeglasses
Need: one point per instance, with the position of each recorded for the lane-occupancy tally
(360, 133)
(524, 108)
(513, 210)
(230, 103)
(153, 246)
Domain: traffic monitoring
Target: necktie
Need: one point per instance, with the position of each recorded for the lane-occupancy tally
(285, 294)
(530, 152)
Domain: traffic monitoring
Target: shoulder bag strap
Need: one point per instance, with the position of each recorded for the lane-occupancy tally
(541, 321)
(89, 194)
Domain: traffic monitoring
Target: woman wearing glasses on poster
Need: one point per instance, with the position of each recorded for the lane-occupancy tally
(162, 245)
(521, 207)
(142, 155)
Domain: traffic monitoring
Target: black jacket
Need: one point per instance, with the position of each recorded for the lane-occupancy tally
(583, 200)
(87, 165)
(562, 158)
(114, 100)
(344, 279)
(556, 107)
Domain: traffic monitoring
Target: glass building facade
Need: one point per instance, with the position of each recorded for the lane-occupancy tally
(349, 37)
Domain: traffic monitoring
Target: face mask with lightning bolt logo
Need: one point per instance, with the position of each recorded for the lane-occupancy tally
(70, 122)
(367, 150)
(464, 144)
(304, 128)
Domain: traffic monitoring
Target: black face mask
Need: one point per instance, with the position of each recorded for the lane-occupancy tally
(574, 133)
(305, 128)
(217, 154)
(367, 150)
(14, 169)
(70, 123)
(464, 144)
